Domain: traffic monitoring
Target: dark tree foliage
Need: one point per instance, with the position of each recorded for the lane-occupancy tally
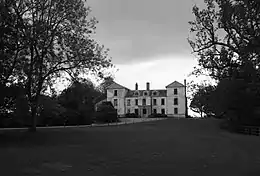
(14, 108)
(202, 100)
(51, 113)
(225, 37)
(107, 81)
(77, 99)
(11, 46)
(42, 39)
(106, 113)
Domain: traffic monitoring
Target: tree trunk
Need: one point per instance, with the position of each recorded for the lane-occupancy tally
(33, 125)
(29, 89)
(35, 105)
(33, 119)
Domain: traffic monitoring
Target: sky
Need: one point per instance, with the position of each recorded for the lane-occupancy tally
(147, 39)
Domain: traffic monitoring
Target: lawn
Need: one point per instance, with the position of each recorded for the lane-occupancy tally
(159, 148)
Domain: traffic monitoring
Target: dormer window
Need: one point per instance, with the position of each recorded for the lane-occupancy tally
(136, 93)
(155, 93)
(145, 93)
(115, 93)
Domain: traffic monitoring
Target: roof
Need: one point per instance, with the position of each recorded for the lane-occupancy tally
(100, 98)
(115, 85)
(175, 84)
(153, 93)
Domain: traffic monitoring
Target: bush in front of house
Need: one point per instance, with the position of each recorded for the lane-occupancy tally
(132, 115)
(157, 115)
(106, 113)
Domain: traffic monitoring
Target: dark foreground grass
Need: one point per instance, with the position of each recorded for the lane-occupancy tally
(168, 147)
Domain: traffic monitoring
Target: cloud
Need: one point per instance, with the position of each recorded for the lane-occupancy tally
(159, 72)
(140, 30)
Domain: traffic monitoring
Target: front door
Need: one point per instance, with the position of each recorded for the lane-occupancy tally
(144, 112)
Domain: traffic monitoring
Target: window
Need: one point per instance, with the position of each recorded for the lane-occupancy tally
(175, 110)
(154, 101)
(144, 111)
(155, 111)
(175, 91)
(136, 102)
(155, 93)
(144, 101)
(136, 93)
(128, 111)
(175, 101)
(115, 102)
(115, 92)
(128, 102)
(136, 111)
(145, 93)
(162, 101)
(163, 111)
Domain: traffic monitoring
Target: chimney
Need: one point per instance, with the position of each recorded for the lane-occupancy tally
(136, 86)
(147, 86)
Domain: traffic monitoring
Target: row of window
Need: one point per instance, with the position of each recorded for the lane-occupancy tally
(154, 111)
(175, 92)
(144, 102)
(175, 101)
(145, 111)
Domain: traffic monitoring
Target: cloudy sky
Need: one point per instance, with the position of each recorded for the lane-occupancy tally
(147, 39)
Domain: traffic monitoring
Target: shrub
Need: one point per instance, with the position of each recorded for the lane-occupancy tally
(132, 115)
(12, 123)
(106, 113)
(71, 117)
(4, 120)
(157, 115)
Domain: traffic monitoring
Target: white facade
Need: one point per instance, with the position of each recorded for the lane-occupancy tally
(159, 105)
(170, 101)
(180, 105)
(118, 101)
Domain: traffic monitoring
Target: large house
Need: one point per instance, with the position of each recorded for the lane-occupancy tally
(170, 101)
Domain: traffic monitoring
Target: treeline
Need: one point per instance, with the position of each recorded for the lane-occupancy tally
(73, 106)
(232, 99)
(225, 37)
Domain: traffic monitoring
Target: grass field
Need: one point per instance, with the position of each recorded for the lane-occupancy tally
(160, 148)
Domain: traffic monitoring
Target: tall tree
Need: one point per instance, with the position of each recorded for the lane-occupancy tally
(56, 37)
(226, 42)
(226, 36)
